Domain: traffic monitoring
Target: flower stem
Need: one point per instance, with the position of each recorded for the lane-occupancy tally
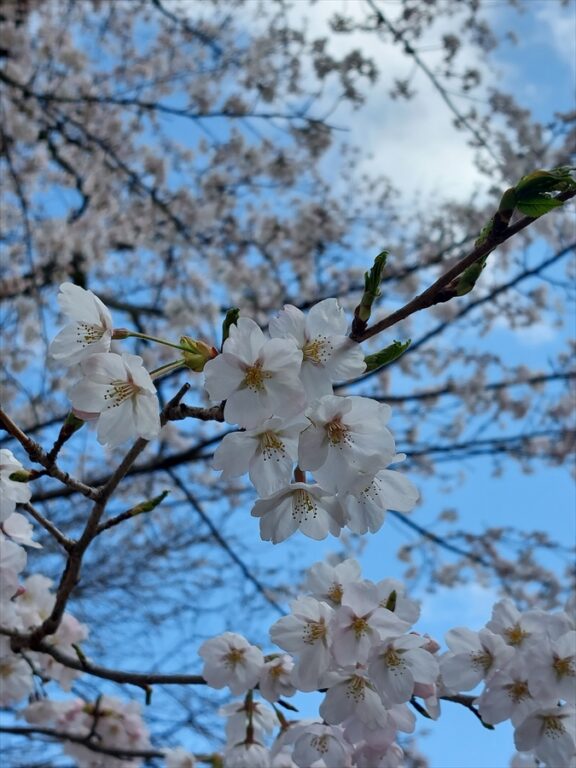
(168, 368)
(138, 335)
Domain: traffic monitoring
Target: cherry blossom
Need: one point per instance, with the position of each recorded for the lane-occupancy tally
(90, 330)
(268, 453)
(247, 755)
(276, 678)
(306, 632)
(474, 656)
(398, 664)
(17, 528)
(11, 491)
(16, 679)
(322, 746)
(550, 733)
(347, 436)
(179, 758)
(327, 582)
(369, 497)
(257, 377)
(230, 660)
(300, 506)
(119, 391)
(328, 354)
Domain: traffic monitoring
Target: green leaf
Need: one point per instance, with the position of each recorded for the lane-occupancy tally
(387, 355)
(539, 182)
(538, 205)
(468, 278)
(372, 282)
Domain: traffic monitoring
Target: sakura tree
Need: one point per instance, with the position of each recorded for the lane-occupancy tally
(201, 384)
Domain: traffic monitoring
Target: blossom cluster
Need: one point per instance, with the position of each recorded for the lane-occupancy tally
(527, 663)
(350, 638)
(279, 390)
(112, 724)
(24, 605)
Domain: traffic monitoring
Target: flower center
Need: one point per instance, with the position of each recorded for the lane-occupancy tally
(318, 350)
(393, 659)
(314, 631)
(271, 446)
(335, 593)
(337, 432)
(553, 726)
(355, 688)
(303, 505)
(320, 743)
(564, 667)
(234, 656)
(518, 691)
(360, 626)
(88, 333)
(515, 635)
(482, 659)
(254, 377)
(118, 391)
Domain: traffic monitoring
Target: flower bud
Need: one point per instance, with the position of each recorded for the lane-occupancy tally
(199, 353)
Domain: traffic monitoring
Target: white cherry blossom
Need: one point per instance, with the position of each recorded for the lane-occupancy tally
(240, 715)
(305, 632)
(257, 377)
(117, 390)
(90, 330)
(247, 755)
(17, 528)
(230, 660)
(179, 758)
(473, 656)
(398, 664)
(276, 678)
(369, 497)
(508, 695)
(300, 506)
(16, 680)
(550, 732)
(322, 746)
(268, 453)
(328, 354)
(11, 491)
(347, 436)
(327, 582)
(552, 667)
(360, 623)
(352, 694)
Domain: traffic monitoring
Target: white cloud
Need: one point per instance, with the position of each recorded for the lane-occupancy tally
(469, 605)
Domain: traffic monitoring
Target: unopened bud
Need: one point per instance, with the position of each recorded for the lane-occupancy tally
(197, 353)
(121, 333)
(21, 475)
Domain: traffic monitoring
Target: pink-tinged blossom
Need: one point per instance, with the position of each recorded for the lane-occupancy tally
(552, 667)
(473, 657)
(347, 436)
(16, 680)
(352, 694)
(398, 664)
(268, 453)
(321, 746)
(11, 491)
(299, 506)
(517, 628)
(326, 582)
(276, 678)
(247, 755)
(257, 377)
(551, 734)
(361, 623)
(90, 330)
(508, 695)
(369, 497)
(306, 633)
(230, 660)
(119, 391)
(328, 354)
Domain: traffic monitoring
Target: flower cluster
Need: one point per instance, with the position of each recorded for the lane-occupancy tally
(279, 390)
(527, 662)
(351, 639)
(116, 390)
(25, 605)
(115, 725)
